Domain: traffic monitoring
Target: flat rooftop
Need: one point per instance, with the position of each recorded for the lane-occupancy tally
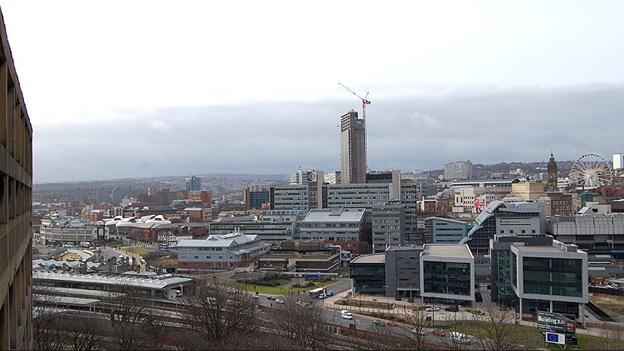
(556, 248)
(447, 250)
(372, 258)
(116, 280)
(343, 215)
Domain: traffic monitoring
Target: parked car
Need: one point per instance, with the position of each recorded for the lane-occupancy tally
(278, 300)
(459, 338)
(345, 312)
(347, 316)
(452, 308)
(432, 309)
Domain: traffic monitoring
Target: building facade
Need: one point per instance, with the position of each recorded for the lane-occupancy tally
(220, 252)
(368, 274)
(402, 269)
(15, 207)
(458, 170)
(342, 226)
(446, 230)
(192, 184)
(447, 273)
(352, 148)
(388, 223)
(551, 278)
(594, 233)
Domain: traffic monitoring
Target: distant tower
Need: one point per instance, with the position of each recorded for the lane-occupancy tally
(192, 184)
(352, 148)
(551, 184)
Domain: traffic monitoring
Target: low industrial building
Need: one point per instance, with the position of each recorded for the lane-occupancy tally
(402, 267)
(368, 274)
(447, 274)
(302, 256)
(220, 252)
(594, 233)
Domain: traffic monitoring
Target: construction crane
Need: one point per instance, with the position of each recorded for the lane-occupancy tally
(364, 99)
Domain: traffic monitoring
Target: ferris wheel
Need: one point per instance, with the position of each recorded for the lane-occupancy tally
(590, 171)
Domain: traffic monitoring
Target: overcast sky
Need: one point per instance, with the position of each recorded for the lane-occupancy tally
(143, 88)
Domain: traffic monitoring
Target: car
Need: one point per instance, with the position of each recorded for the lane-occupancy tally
(439, 332)
(345, 312)
(279, 300)
(390, 323)
(271, 298)
(255, 297)
(459, 338)
(378, 323)
(452, 308)
(347, 316)
(432, 309)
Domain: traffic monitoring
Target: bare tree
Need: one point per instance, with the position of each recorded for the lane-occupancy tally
(456, 339)
(129, 316)
(46, 317)
(415, 327)
(303, 320)
(497, 329)
(218, 314)
(83, 332)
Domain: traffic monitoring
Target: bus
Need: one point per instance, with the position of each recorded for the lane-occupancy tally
(318, 292)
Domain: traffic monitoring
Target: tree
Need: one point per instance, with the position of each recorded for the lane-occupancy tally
(128, 317)
(46, 317)
(415, 327)
(218, 314)
(497, 329)
(83, 333)
(455, 327)
(303, 320)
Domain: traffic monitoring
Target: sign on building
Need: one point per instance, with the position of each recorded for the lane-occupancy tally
(555, 323)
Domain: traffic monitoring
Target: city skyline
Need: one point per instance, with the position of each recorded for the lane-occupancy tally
(445, 85)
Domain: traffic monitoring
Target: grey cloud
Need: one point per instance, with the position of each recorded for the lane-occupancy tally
(520, 124)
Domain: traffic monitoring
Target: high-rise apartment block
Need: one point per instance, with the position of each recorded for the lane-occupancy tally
(193, 184)
(352, 148)
(458, 170)
(15, 207)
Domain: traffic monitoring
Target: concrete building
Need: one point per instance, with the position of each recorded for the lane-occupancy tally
(342, 226)
(447, 274)
(302, 256)
(333, 178)
(618, 162)
(63, 232)
(365, 195)
(402, 270)
(368, 274)
(550, 278)
(310, 194)
(557, 204)
(458, 170)
(219, 252)
(446, 230)
(269, 231)
(15, 207)
(352, 148)
(192, 184)
(522, 218)
(528, 191)
(388, 223)
(409, 195)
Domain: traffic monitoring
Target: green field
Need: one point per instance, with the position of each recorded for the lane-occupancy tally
(281, 289)
(532, 338)
(137, 250)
